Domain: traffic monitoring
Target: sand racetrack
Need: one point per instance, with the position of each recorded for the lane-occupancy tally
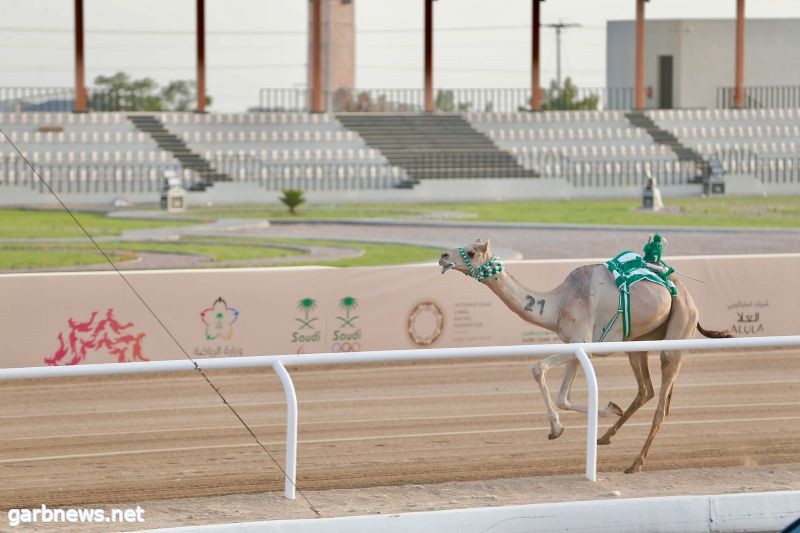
(69, 442)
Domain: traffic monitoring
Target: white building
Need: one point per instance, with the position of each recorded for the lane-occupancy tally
(686, 61)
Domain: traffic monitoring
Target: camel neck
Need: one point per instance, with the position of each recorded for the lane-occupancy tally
(540, 308)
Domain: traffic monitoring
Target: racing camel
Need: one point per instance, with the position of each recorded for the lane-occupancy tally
(581, 310)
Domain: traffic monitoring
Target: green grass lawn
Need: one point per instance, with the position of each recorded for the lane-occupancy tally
(773, 211)
(33, 255)
(14, 256)
(698, 212)
(30, 227)
(55, 224)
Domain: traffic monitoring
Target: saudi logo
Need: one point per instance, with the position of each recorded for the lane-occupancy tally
(347, 304)
(219, 319)
(306, 305)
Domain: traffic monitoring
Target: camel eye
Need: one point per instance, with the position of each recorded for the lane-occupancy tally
(471, 253)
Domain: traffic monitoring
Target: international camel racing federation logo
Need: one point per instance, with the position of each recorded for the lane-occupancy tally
(425, 323)
(347, 337)
(107, 337)
(307, 327)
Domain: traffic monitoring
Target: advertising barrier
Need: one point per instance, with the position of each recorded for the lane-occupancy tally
(76, 318)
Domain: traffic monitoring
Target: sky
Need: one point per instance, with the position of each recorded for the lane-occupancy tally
(252, 44)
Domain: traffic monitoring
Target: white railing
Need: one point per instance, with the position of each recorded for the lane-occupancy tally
(278, 362)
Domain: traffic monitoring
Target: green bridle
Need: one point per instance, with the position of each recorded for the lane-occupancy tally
(490, 268)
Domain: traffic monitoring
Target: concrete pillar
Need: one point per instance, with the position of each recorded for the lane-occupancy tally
(201, 56)
(317, 92)
(639, 89)
(536, 97)
(738, 90)
(428, 56)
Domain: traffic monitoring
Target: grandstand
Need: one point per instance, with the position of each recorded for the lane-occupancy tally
(115, 152)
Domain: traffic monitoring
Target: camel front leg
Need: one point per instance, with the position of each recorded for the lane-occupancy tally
(565, 402)
(670, 366)
(539, 371)
(645, 393)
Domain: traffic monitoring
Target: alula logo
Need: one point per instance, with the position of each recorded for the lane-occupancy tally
(307, 329)
(347, 336)
(219, 320)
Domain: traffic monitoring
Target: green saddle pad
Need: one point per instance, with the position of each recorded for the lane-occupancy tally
(627, 269)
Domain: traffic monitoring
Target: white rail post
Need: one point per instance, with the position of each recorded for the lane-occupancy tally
(591, 414)
(291, 430)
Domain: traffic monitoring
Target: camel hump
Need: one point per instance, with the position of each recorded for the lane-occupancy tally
(711, 334)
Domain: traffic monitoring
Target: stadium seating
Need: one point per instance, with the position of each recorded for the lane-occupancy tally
(765, 132)
(759, 142)
(577, 135)
(279, 137)
(71, 137)
(274, 149)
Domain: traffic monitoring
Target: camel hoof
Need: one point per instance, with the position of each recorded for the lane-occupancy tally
(604, 440)
(614, 408)
(553, 435)
(633, 469)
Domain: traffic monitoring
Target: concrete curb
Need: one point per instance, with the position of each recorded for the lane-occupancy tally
(763, 511)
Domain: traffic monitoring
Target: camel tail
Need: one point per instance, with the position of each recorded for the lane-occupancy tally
(711, 334)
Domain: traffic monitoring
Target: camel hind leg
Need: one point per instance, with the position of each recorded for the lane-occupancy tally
(682, 323)
(641, 372)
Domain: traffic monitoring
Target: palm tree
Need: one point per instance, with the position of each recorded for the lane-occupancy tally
(307, 305)
(347, 304)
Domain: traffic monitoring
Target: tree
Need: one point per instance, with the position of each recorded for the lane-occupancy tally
(446, 101)
(292, 198)
(566, 98)
(122, 93)
(181, 95)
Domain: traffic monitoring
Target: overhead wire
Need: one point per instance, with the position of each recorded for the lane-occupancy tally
(152, 312)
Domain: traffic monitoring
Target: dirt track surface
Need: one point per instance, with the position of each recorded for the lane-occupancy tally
(125, 440)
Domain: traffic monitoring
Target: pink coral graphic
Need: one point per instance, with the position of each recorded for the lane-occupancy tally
(107, 334)
(219, 319)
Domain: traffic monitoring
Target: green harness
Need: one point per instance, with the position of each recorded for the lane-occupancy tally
(490, 268)
(629, 268)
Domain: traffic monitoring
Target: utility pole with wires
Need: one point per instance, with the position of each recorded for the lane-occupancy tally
(558, 27)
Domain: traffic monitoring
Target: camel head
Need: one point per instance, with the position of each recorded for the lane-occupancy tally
(474, 260)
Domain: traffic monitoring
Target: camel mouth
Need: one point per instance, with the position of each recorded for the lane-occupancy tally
(447, 267)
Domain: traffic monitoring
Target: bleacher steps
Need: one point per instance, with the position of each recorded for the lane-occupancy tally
(167, 140)
(434, 146)
(663, 137)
